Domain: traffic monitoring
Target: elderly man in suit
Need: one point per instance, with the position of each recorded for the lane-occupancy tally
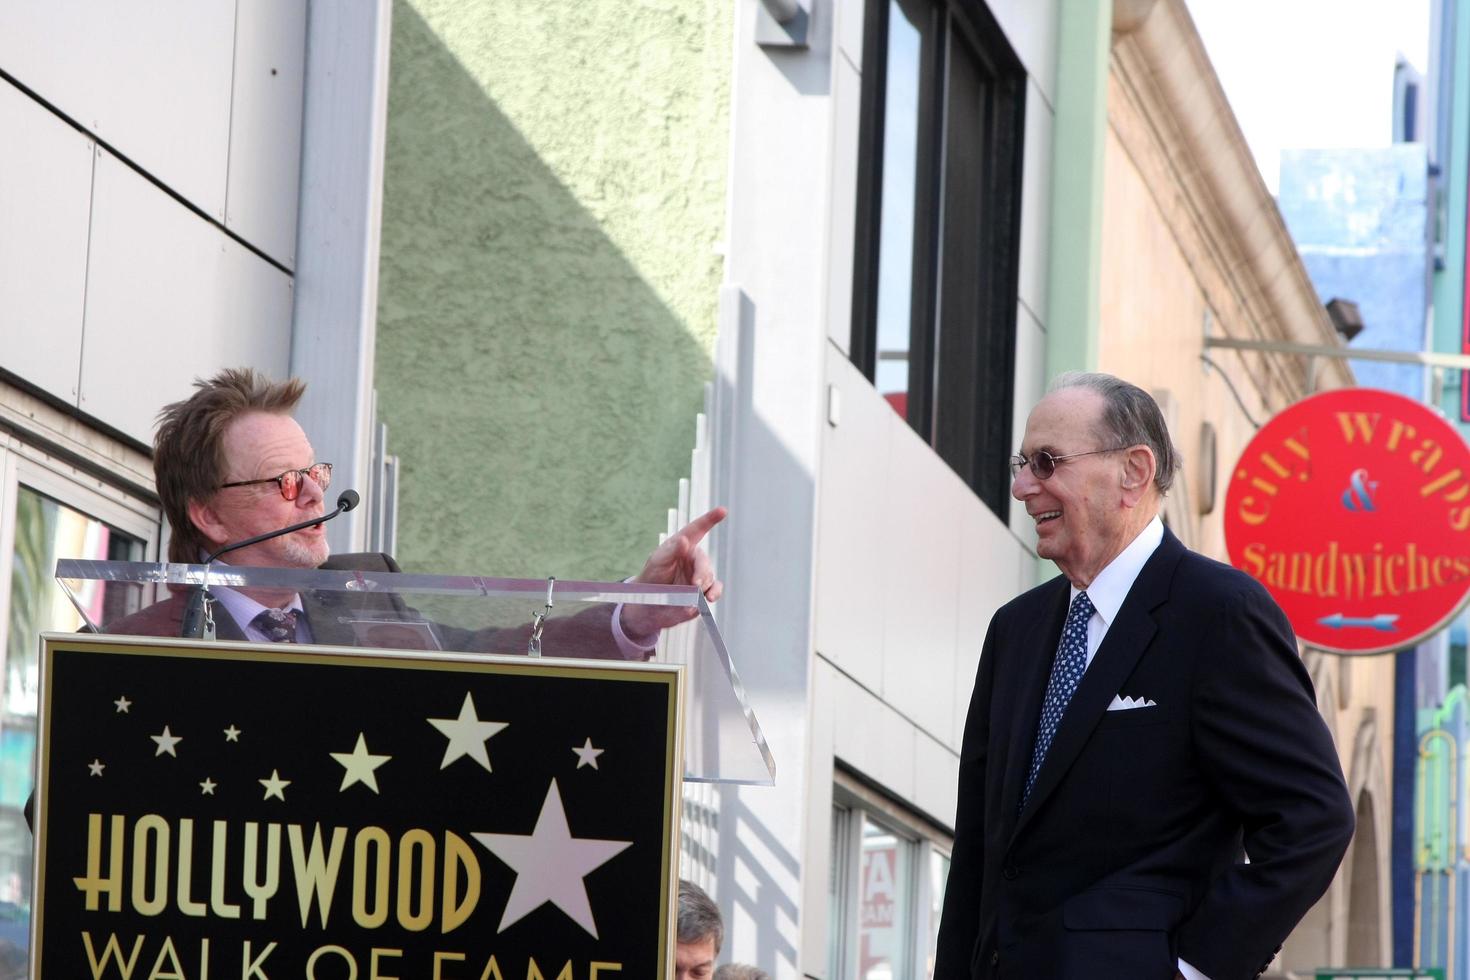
(232, 463)
(1146, 789)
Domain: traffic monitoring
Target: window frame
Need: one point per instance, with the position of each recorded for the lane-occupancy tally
(855, 803)
(971, 429)
(23, 464)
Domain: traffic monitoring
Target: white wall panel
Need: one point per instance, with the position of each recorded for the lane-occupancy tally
(847, 88)
(850, 16)
(873, 738)
(1031, 27)
(851, 512)
(936, 779)
(1036, 169)
(993, 569)
(169, 298)
(927, 505)
(1030, 386)
(45, 193)
(265, 126)
(152, 79)
(817, 865)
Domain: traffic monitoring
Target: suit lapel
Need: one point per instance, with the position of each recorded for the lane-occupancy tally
(1128, 636)
(1030, 688)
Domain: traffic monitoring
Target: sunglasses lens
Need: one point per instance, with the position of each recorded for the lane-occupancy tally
(321, 473)
(1043, 465)
(290, 484)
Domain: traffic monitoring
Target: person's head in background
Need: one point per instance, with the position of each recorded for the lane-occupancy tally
(741, 971)
(700, 934)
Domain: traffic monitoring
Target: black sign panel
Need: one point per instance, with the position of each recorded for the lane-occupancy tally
(227, 811)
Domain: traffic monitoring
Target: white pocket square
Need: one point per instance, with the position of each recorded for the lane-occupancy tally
(1120, 703)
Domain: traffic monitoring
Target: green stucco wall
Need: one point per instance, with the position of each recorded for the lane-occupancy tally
(554, 200)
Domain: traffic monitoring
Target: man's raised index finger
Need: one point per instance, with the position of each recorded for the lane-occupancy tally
(696, 529)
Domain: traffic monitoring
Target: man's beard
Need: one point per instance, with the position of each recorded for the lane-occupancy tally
(303, 554)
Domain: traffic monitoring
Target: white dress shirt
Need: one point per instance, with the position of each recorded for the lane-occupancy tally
(1108, 590)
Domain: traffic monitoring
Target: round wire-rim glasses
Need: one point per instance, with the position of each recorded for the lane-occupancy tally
(289, 482)
(1043, 464)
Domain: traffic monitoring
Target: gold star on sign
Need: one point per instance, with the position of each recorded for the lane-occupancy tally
(360, 765)
(206, 788)
(123, 704)
(467, 734)
(587, 755)
(166, 743)
(96, 766)
(275, 786)
(232, 734)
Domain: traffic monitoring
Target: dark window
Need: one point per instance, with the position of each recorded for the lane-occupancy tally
(938, 228)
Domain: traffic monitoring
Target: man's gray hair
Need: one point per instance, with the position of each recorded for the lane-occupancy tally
(1130, 417)
(699, 916)
(741, 971)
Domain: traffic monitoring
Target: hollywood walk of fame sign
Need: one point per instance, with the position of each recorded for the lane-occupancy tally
(227, 810)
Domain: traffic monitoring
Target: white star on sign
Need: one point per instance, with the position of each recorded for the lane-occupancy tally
(587, 755)
(96, 766)
(275, 786)
(550, 865)
(166, 743)
(232, 734)
(206, 788)
(359, 765)
(467, 734)
(123, 704)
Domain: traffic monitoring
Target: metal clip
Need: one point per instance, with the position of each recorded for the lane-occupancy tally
(208, 616)
(538, 620)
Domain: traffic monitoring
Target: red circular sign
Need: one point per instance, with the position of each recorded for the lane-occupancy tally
(1353, 508)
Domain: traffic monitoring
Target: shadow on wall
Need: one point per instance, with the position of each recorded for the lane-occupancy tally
(539, 393)
(542, 396)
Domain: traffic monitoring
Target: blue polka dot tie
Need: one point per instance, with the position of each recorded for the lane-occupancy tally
(1066, 671)
(278, 625)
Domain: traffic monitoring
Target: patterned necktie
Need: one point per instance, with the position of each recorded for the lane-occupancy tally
(278, 625)
(1066, 671)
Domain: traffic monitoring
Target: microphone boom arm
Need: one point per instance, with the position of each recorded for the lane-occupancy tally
(197, 620)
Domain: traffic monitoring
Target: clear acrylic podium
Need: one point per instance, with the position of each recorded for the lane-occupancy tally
(458, 616)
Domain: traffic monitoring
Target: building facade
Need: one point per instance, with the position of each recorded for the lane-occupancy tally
(873, 228)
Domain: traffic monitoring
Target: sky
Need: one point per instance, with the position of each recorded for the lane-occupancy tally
(1311, 74)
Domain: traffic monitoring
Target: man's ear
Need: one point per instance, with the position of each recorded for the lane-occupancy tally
(1139, 467)
(204, 518)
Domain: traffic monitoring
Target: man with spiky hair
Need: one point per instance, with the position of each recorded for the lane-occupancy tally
(231, 463)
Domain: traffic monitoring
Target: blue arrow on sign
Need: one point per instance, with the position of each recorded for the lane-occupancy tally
(1384, 622)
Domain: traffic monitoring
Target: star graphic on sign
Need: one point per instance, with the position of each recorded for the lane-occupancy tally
(166, 743)
(550, 864)
(232, 734)
(587, 755)
(360, 764)
(123, 704)
(467, 734)
(275, 786)
(206, 788)
(96, 766)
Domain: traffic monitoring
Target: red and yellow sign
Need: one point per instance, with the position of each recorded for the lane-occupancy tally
(1353, 508)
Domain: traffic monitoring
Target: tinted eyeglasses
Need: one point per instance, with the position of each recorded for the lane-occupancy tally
(1043, 464)
(290, 481)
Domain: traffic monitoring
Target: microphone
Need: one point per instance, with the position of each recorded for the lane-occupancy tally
(193, 625)
(348, 500)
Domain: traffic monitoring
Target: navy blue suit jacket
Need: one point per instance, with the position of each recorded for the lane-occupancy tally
(1128, 852)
